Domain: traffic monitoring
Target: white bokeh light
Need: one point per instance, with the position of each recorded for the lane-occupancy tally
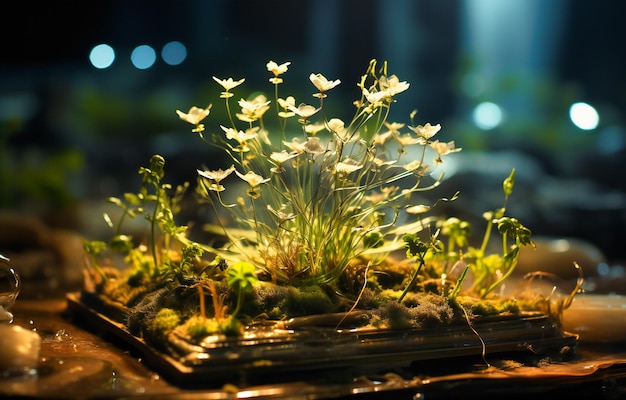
(102, 56)
(584, 116)
(487, 115)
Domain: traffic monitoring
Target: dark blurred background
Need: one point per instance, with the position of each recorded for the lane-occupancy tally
(536, 85)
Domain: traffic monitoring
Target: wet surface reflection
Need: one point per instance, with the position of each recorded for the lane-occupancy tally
(75, 363)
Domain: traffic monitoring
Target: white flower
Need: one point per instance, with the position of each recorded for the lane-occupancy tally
(374, 98)
(426, 131)
(305, 111)
(229, 83)
(407, 140)
(382, 161)
(282, 156)
(381, 138)
(313, 129)
(253, 110)
(394, 127)
(240, 135)
(418, 209)
(347, 166)
(337, 126)
(195, 114)
(295, 145)
(393, 130)
(252, 178)
(217, 176)
(442, 149)
(312, 146)
(388, 87)
(277, 69)
(279, 158)
(413, 165)
(392, 85)
(284, 104)
(322, 84)
(416, 167)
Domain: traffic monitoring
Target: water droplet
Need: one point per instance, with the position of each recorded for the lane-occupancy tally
(60, 335)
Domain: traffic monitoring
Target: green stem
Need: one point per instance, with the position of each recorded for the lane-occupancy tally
(153, 228)
(459, 282)
(483, 246)
(412, 282)
(230, 116)
(240, 297)
(118, 228)
(509, 270)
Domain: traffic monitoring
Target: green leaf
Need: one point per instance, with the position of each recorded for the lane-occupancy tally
(373, 240)
(242, 276)
(94, 247)
(414, 246)
(121, 243)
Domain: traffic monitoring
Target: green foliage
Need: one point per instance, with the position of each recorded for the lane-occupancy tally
(165, 321)
(321, 191)
(418, 249)
(35, 178)
(198, 327)
(308, 300)
(241, 279)
(241, 276)
(453, 250)
(313, 231)
(157, 203)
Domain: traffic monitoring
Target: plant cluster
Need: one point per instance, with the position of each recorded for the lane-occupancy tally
(333, 191)
(325, 204)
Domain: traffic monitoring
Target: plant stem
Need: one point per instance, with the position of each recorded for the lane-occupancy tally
(154, 227)
(412, 282)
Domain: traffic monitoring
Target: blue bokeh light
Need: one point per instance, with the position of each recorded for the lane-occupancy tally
(143, 57)
(102, 56)
(174, 53)
(487, 115)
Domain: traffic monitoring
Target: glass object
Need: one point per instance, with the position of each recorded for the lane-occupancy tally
(9, 289)
(19, 347)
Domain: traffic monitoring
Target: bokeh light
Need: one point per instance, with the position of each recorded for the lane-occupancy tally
(611, 139)
(584, 116)
(487, 115)
(102, 56)
(174, 53)
(143, 57)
